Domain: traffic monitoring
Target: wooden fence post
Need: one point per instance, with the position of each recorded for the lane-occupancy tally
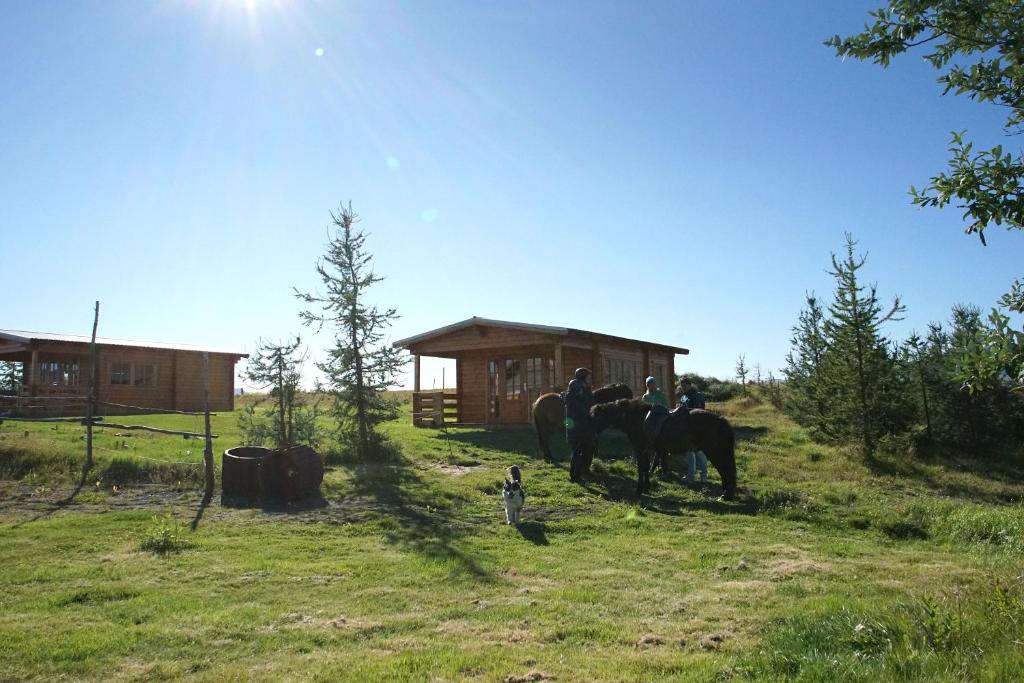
(90, 409)
(208, 451)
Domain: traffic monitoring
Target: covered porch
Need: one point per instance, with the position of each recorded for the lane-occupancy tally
(49, 373)
(492, 387)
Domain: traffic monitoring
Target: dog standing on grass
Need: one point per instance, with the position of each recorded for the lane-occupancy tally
(513, 495)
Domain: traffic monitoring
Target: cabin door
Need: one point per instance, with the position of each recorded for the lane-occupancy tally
(506, 388)
(540, 379)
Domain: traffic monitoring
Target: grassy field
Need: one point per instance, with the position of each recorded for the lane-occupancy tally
(827, 568)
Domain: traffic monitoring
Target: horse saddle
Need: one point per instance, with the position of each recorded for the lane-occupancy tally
(656, 419)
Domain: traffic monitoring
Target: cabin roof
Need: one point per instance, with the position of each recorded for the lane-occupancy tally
(541, 329)
(26, 337)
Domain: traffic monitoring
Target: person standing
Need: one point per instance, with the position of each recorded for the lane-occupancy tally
(691, 399)
(579, 429)
(654, 395)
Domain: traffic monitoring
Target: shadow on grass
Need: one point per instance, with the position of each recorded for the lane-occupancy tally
(518, 441)
(418, 518)
(923, 471)
(748, 433)
(662, 497)
(534, 532)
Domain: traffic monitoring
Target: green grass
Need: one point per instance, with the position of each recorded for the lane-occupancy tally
(827, 567)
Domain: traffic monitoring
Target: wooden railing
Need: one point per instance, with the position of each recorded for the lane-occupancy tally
(434, 408)
(43, 400)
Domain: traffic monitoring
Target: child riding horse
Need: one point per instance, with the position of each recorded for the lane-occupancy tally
(680, 432)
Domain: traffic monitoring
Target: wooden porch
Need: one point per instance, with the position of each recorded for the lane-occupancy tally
(435, 408)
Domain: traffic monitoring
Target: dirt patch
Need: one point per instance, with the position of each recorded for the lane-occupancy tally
(292, 620)
(738, 586)
(529, 677)
(454, 470)
(786, 568)
(650, 640)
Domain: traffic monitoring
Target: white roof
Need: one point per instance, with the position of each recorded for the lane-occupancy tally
(25, 337)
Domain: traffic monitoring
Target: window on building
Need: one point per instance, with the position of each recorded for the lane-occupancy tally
(62, 373)
(121, 374)
(659, 371)
(492, 383)
(540, 372)
(623, 371)
(513, 382)
(144, 375)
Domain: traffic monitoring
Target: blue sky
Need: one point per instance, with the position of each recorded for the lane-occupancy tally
(677, 172)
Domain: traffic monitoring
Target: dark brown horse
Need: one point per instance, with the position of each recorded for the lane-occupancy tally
(549, 412)
(683, 431)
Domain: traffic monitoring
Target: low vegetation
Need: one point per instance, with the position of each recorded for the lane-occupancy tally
(829, 566)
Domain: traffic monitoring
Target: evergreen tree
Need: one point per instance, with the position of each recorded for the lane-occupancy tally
(742, 370)
(858, 370)
(359, 367)
(915, 360)
(803, 397)
(10, 377)
(278, 367)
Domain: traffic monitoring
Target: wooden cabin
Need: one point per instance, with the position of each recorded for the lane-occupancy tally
(502, 367)
(149, 374)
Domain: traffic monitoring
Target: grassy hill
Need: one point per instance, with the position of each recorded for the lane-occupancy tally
(827, 568)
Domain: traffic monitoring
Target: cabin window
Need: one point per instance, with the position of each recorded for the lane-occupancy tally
(121, 374)
(623, 371)
(62, 373)
(492, 383)
(540, 372)
(659, 371)
(513, 382)
(144, 375)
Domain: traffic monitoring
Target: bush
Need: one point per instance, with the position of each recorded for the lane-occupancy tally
(163, 536)
(936, 637)
(1000, 527)
(908, 522)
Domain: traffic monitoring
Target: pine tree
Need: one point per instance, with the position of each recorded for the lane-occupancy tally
(915, 359)
(742, 370)
(359, 367)
(277, 366)
(803, 397)
(858, 368)
(10, 377)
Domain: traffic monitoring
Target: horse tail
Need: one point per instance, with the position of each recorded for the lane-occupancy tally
(727, 439)
(540, 430)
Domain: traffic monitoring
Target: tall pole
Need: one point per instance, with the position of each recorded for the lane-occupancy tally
(91, 402)
(208, 451)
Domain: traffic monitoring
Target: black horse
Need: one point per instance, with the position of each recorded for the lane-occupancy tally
(682, 431)
(549, 412)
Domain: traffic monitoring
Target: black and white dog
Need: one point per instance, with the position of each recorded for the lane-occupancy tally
(513, 495)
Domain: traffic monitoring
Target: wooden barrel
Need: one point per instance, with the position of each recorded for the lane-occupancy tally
(307, 472)
(240, 473)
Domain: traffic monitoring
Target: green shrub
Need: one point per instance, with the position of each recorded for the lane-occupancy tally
(789, 503)
(1001, 527)
(163, 536)
(938, 637)
(909, 522)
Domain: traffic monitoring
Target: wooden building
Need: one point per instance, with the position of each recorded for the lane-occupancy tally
(153, 375)
(502, 367)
